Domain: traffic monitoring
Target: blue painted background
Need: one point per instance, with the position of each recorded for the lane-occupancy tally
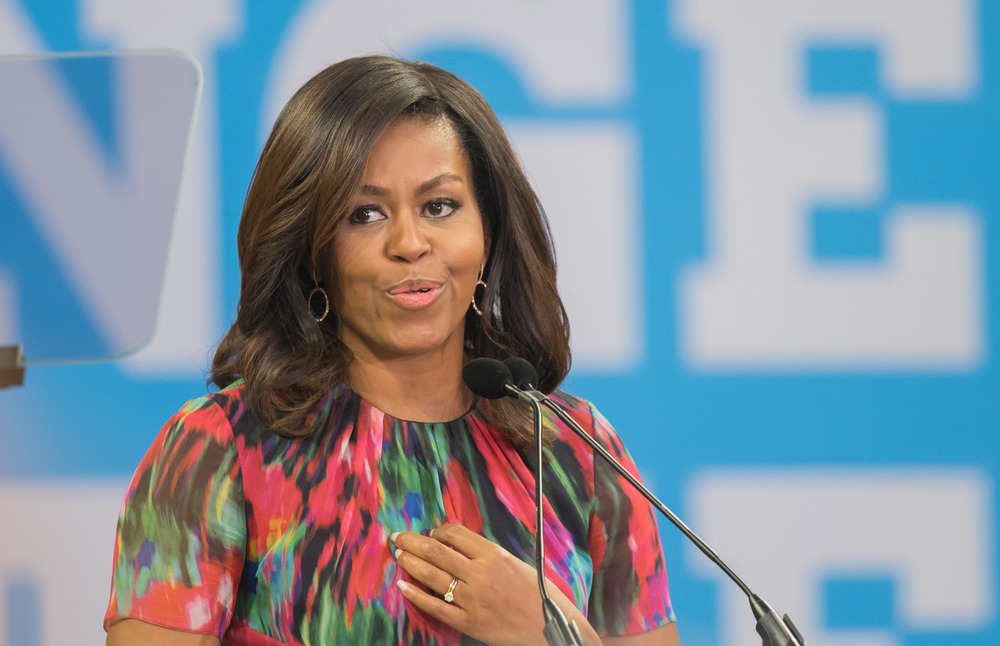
(97, 420)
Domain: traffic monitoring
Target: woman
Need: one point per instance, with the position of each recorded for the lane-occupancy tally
(344, 486)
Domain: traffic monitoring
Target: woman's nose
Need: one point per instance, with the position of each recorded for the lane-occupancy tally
(407, 240)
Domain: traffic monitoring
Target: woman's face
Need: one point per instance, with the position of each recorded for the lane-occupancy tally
(406, 260)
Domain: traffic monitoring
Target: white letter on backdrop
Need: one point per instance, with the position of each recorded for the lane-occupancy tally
(929, 530)
(47, 552)
(758, 301)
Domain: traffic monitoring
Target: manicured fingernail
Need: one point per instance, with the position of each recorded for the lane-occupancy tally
(431, 533)
(397, 553)
(402, 584)
(392, 536)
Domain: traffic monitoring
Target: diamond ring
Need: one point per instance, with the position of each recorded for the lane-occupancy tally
(449, 594)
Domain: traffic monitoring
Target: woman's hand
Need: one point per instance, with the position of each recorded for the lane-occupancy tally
(495, 597)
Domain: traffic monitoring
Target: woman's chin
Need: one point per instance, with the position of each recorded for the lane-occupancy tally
(429, 345)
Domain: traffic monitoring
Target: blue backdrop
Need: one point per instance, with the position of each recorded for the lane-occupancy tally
(776, 223)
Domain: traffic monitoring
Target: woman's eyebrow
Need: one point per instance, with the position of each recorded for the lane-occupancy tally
(373, 191)
(433, 183)
(429, 185)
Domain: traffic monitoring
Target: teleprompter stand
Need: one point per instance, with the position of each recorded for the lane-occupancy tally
(11, 366)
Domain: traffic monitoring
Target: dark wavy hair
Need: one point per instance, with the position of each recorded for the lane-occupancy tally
(302, 189)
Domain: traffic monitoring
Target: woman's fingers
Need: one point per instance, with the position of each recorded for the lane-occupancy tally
(495, 595)
(436, 566)
(464, 540)
(450, 614)
(429, 561)
(430, 549)
(432, 576)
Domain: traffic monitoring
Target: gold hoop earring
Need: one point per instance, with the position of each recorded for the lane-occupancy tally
(479, 283)
(325, 304)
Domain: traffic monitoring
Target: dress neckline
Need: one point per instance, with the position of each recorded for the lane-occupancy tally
(344, 390)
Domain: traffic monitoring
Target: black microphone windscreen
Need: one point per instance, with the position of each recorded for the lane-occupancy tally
(487, 377)
(522, 373)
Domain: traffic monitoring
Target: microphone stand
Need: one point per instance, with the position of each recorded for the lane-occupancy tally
(557, 631)
(494, 379)
(773, 630)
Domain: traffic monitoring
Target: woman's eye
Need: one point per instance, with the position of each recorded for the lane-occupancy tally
(366, 214)
(441, 208)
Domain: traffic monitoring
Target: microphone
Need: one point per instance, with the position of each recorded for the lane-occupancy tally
(493, 379)
(488, 378)
(773, 630)
(523, 374)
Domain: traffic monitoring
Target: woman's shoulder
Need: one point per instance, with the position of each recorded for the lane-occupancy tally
(571, 402)
(227, 400)
(586, 414)
(214, 413)
(230, 408)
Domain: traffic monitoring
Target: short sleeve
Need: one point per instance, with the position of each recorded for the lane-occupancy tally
(181, 536)
(630, 594)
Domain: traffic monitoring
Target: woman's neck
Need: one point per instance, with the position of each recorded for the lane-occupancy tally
(417, 389)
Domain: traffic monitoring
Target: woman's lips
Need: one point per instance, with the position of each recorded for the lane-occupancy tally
(415, 294)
